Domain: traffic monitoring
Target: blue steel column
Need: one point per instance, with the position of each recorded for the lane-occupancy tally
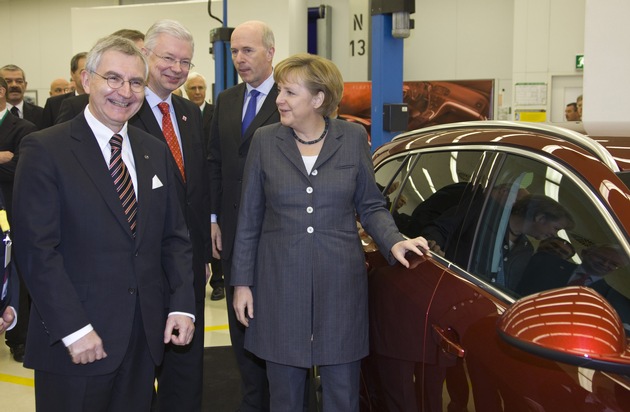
(387, 75)
(224, 73)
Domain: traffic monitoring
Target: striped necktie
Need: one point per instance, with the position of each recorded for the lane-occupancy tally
(122, 182)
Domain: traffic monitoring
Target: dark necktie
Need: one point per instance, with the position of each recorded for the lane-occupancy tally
(171, 138)
(122, 182)
(250, 112)
(15, 111)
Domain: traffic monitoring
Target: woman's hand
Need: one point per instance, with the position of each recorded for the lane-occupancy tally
(418, 245)
(243, 304)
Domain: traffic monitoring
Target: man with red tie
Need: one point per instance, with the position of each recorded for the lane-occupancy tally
(169, 47)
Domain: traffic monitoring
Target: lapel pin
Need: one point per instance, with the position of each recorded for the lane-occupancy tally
(146, 156)
(184, 118)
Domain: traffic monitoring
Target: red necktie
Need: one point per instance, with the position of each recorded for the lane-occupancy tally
(171, 137)
(123, 182)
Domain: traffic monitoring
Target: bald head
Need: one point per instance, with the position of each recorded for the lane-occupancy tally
(253, 47)
(59, 86)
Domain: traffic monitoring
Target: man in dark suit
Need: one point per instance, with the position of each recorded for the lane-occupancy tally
(252, 46)
(169, 51)
(53, 104)
(102, 246)
(196, 87)
(15, 96)
(12, 130)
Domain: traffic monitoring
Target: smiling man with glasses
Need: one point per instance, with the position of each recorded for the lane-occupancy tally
(100, 241)
(169, 48)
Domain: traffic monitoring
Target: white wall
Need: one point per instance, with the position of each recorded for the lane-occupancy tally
(506, 40)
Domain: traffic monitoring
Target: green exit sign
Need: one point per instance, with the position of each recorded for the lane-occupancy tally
(579, 61)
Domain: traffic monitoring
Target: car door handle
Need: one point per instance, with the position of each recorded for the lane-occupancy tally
(448, 341)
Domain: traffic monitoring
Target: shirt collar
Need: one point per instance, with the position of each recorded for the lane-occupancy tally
(102, 133)
(153, 99)
(265, 87)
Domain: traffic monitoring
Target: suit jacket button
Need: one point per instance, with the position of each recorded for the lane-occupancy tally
(131, 291)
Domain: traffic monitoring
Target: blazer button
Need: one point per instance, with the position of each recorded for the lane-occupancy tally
(131, 291)
(314, 172)
(309, 190)
(309, 209)
(310, 229)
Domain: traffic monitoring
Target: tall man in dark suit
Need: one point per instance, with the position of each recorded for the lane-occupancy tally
(102, 246)
(15, 97)
(196, 87)
(12, 130)
(252, 45)
(169, 50)
(53, 104)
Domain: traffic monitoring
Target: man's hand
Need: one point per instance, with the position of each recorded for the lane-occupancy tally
(87, 349)
(5, 156)
(243, 304)
(185, 329)
(217, 245)
(7, 318)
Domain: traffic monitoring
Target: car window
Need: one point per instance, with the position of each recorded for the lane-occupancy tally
(389, 175)
(434, 183)
(541, 229)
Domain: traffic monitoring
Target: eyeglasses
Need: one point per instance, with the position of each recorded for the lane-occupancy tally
(184, 64)
(116, 82)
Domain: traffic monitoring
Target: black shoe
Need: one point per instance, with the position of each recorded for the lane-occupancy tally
(18, 352)
(218, 293)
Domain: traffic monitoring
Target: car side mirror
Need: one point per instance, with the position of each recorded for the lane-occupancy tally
(573, 325)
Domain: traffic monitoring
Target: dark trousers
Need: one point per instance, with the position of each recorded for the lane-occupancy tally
(340, 387)
(180, 377)
(129, 388)
(216, 280)
(254, 385)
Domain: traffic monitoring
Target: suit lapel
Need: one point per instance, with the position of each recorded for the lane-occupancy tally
(144, 177)
(89, 155)
(185, 129)
(145, 120)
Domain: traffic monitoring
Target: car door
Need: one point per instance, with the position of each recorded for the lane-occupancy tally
(416, 186)
(480, 371)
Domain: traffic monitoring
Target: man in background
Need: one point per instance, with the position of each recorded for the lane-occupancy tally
(253, 47)
(53, 104)
(12, 130)
(58, 87)
(169, 47)
(196, 88)
(18, 107)
(571, 113)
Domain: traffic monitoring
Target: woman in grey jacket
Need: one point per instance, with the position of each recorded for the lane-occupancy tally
(298, 265)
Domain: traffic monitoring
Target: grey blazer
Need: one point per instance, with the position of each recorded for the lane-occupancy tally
(297, 246)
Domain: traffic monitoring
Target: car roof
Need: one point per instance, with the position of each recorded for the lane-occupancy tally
(613, 152)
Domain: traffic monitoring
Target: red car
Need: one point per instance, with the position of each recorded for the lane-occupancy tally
(524, 303)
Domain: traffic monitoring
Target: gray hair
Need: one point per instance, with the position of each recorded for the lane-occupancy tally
(114, 43)
(170, 27)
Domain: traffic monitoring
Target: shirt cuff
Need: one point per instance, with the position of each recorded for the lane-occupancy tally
(73, 337)
(14, 318)
(183, 313)
(213, 218)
